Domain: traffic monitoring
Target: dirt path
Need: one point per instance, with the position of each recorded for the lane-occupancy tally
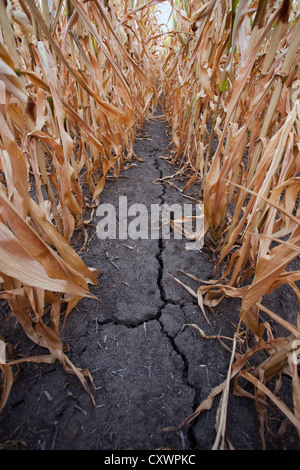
(149, 370)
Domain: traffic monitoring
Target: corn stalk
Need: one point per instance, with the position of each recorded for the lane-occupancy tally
(232, 79)
(76, 79)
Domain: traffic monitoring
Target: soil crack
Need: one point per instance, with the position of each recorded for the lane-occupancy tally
(165, 302)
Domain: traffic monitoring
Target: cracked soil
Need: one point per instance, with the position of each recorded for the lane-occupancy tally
(149, 368)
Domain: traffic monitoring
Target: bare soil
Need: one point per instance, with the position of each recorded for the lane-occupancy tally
(149, 369)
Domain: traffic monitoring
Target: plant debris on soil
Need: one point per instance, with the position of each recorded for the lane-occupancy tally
(140, 338)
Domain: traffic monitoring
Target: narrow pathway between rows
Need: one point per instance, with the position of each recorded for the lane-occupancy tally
(149, 370)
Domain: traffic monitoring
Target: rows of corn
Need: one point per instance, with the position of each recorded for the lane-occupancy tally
(231, 85)
(76, 80)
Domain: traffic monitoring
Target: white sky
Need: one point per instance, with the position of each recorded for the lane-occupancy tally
(165, 10)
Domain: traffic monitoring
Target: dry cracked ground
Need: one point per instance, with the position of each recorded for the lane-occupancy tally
(150, 367)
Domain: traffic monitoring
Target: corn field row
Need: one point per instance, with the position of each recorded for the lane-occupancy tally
(77, 79)
(232, 75)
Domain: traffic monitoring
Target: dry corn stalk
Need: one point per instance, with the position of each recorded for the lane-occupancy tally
(232, 98)
(76, 78)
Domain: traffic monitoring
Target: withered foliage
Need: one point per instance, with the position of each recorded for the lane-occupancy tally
(231, 77)
(76, 79)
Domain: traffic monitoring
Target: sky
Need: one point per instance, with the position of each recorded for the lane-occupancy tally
(165, 9)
